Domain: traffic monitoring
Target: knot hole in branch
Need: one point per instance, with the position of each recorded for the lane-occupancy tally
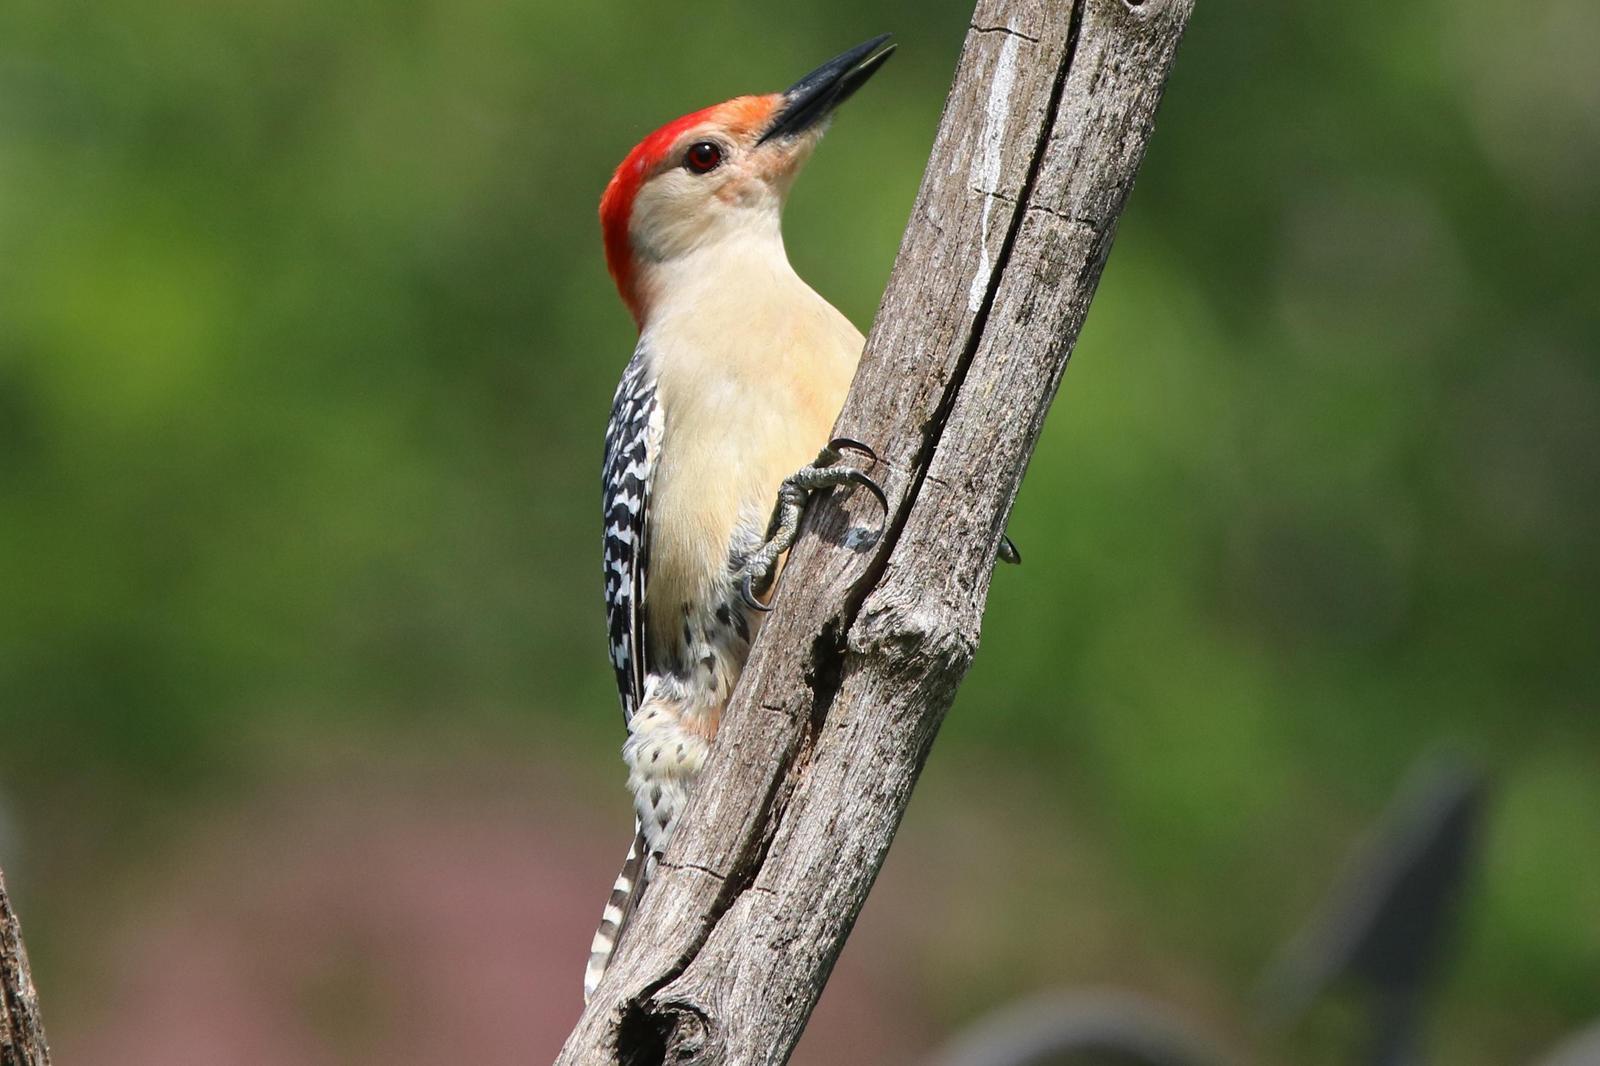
(660, 1035)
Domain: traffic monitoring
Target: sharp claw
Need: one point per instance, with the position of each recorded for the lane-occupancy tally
(856, 477)
(750, 598)
(839, 444)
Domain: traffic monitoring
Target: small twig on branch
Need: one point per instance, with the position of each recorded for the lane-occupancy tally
(1043, 132)
(22, 1040)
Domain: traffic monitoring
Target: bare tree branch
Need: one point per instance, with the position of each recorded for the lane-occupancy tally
(22, 1040)
(1042, 134)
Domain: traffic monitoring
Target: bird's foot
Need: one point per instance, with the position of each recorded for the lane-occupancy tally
(757, 571)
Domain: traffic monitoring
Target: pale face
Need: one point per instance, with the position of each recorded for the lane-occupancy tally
(716, 183)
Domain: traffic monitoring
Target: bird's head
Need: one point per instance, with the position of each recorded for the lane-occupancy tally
(719, 173)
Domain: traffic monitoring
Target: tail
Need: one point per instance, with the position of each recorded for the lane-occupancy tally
(625, 893)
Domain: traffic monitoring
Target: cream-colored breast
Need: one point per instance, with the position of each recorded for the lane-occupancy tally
(750, 374)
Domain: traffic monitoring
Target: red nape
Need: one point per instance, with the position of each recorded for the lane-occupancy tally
(737, 117)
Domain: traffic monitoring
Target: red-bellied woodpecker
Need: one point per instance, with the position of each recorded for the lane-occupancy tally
(738, 376)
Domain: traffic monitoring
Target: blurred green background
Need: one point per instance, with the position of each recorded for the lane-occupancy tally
(306, 349)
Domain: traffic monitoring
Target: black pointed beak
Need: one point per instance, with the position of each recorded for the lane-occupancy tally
(813, 98)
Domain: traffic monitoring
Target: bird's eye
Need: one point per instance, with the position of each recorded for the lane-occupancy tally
(703, 157)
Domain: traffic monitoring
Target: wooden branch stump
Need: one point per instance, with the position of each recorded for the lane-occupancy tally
(1042, 134)
(22, 1040)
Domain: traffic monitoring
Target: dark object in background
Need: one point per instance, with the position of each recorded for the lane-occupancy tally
(1081, 1028)
(1387, 923)
(1385, 926)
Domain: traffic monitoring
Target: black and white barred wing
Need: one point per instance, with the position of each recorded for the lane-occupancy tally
(633, 441)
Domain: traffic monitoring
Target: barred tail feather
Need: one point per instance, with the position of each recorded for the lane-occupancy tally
(625, 893)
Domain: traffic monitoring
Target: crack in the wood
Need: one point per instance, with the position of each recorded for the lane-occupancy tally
(1007, 30)
(823, 675)
(1064, 216)
(715, 875)
(932, 429)
(1045, 208)
(1074, 27)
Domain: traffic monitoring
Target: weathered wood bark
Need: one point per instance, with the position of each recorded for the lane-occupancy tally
(21, 1033)
(1044, 129)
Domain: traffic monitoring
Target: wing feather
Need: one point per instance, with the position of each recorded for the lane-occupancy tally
(633, 440)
